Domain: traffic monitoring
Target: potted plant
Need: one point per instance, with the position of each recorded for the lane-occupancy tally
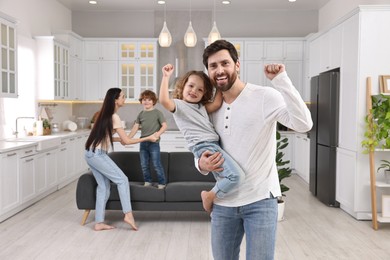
(283, 171)
(46, 127)
(386, 166)
(377, 134)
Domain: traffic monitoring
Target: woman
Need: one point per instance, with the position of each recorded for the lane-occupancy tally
(103, 168)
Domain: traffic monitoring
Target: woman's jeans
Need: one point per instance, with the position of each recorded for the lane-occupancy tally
(257, 221)
(105, 170)
(232, 173)
(151, 151)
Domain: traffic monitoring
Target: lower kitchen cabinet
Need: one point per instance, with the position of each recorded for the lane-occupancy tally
(9, 180)
(302, 156)
(171, 141)
(28, 175)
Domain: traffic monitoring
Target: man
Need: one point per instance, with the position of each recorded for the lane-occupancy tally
(246, 124)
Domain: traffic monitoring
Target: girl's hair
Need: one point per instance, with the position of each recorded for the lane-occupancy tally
(148, 94)
(102, 128)
(218, 46)
(208, 87)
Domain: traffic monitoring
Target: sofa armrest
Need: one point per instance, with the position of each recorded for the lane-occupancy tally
(86, 191)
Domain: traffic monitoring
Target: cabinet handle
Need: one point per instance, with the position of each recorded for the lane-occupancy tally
(29, 151)
(63, 149)
(11, 154)
(72, 139)
(29, 160)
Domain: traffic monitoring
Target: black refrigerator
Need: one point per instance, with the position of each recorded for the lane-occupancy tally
(324, 108)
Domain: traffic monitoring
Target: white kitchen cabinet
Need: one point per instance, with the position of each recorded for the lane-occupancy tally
(346, 173)
(52, 69)
(326, 51)
(171, 141)
(302, 156)
(99, 77)
(80, 163)
(138, 67)
(62, 162)
(27, 173)
(258, 53)
(9, 180)
(8, 57)
(283, 50)
(76, 49)
(101, 50)
(46, 171)
(76, 87)
(101, 68)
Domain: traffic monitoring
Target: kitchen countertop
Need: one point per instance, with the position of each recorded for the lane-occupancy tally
(7, 145)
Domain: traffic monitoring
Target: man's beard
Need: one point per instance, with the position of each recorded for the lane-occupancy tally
(231, 78)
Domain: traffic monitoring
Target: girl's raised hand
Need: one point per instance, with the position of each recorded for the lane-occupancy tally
(167, 70)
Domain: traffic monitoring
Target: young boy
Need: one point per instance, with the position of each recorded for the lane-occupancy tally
(152, 122)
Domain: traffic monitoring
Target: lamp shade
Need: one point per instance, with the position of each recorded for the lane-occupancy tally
(190, 36)
(214, 34)
(165, 38)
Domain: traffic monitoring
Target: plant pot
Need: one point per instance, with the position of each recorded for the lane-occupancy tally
(281, 205)
(46, 131)
(387, 176)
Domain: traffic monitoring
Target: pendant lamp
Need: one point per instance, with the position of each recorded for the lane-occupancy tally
(165, 37)
(214, 33)
(190, 36)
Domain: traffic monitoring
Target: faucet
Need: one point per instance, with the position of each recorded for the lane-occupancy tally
(16, 126)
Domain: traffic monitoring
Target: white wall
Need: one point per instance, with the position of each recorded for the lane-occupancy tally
(336, 9)
(37, 17)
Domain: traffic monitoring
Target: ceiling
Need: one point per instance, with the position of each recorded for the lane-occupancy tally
(177, 5)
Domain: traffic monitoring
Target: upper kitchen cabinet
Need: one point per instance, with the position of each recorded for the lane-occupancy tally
(325, 51)
(76, 45)
(8, 57)
(138, 63)
(53, 69)
(100, 67)
(101, 50)
(259, 52)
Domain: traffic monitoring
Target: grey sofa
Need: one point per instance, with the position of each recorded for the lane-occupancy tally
(182, 192)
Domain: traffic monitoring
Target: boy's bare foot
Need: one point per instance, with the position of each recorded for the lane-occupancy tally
(207, 200)
(129, 219)
(102, 226)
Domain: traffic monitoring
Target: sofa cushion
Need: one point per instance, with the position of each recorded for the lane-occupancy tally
(186, 191)
(182, 169)
(138, 192)
(130, 164)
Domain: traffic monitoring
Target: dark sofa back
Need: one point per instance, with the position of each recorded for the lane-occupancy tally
(130, 164)
(182, 168)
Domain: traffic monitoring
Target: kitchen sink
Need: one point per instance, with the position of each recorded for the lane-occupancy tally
(43, 142)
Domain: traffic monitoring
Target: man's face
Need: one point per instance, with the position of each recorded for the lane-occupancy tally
(222, 70)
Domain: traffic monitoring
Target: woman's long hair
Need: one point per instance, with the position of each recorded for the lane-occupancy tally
(102, 128)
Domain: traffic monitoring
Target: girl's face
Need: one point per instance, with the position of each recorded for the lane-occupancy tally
(193, 90)
(120, 100)
(147, 103)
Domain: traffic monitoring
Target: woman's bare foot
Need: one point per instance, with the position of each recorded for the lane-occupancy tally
(102, 226)
(129, 219)
(207, 200)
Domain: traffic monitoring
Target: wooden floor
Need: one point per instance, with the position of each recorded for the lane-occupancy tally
(51, 229)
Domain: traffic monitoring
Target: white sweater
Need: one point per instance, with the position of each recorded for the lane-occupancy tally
(247, 130)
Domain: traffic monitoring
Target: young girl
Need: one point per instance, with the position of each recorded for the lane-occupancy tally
(190, 107)
(103, 168)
